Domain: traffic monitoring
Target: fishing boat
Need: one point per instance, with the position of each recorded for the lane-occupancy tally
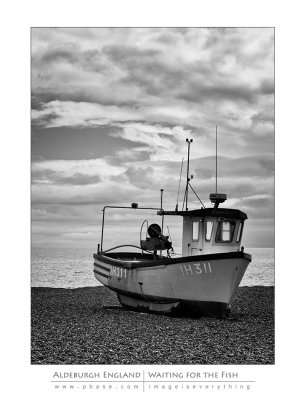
(202, 281)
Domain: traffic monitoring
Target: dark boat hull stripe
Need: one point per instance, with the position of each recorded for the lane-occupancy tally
(102, 267)
(100, 273)
(166, 261)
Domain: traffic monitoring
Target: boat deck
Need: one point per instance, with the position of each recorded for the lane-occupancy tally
(136, 260)
(134, 256)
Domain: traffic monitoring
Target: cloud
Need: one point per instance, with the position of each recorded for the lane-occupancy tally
(258, 207)
(161, 142)
(204, 65)
(78, 178)
(140, 177)
(68, 168)
(252, 167)
(77, 235)
(57, 113)
(144, 91)
(209, 77)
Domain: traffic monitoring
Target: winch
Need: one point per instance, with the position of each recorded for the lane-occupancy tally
(154, 240)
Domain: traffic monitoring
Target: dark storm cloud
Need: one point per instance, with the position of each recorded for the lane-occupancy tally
(261, 207)
(80, 179)
(234, 188)
(149, 67)
(197, 92)
(193, 88)
(267, 86)
(88, 94)
(146, 69)
(135, 71)
(258, 166)
(45, 118)
(263, 118)
(237, 42)
(129, 55)
(69, 53)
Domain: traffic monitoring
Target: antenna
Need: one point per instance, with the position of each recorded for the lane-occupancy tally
(187, 172)
(216, 159)
(179, 184)
(161, 201)
(217, 198)
(188, 180)
(161, 193)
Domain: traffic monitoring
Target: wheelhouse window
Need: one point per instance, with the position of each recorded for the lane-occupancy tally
(195, 231)
(208, 228)
(225, 231)
(240, 232)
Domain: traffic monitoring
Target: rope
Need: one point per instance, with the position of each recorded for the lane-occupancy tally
(196, 195)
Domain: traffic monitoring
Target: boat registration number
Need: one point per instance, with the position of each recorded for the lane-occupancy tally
(118, 272)
(196, 268)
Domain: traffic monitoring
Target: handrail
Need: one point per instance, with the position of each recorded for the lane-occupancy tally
(123, 245)
(123, 207)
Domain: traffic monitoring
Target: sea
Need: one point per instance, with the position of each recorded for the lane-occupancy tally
(73, 268)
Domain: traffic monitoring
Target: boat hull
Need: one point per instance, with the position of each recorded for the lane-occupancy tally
(199, 285)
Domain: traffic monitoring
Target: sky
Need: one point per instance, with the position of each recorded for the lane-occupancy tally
(111, 111)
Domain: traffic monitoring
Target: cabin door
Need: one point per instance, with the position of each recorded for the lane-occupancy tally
(196, 237)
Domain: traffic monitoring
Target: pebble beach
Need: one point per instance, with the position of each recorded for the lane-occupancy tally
(88, 326)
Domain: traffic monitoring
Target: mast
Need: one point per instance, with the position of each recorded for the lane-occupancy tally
(179, 185)
(161, 207)
(187, 171)
(217, 198)
(216, 159)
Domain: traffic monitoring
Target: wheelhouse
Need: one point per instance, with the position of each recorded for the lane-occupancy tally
(211, 230)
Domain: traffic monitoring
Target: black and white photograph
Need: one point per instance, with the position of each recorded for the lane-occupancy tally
(152, 196)
(152, 186)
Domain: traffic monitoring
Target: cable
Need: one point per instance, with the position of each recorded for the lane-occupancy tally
(196, 195)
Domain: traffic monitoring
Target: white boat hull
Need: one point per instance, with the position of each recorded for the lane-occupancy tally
(194, 283)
